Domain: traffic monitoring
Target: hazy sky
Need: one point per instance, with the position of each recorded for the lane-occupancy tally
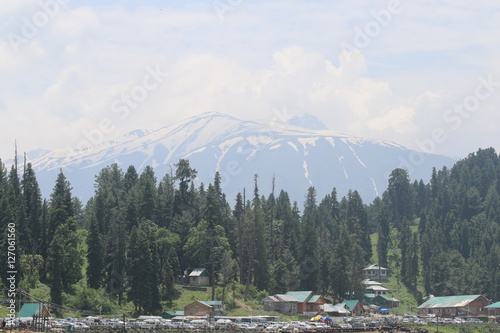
(425, 74)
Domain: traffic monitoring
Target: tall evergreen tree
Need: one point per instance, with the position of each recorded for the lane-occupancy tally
(115, 263)
(33, 205)
(308, 259)
(358, 223)
(401, 196)
(383, 235)
(95, 255)
(261, 242)
(142, 263)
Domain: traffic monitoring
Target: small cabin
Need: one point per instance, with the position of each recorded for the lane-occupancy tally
(199, 277)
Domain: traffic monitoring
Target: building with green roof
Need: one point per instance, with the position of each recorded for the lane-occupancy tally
(300, 296)
(493, 309)
(460, 306)
(382, 301)
(307, 302)
(204, 308)
(29, 310)
(355, 306)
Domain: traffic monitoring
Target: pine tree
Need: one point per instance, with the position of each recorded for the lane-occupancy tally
(95, 255)
(142, 263)
(184, 174)
(60, 207)
(401, 196)
(308, 250)
(167, 243)
(358, 223)
(147, 194)
(261, 270)
(116, 260)
(238, 235)
(33, 204)
(64, 261)
(139, 264)
(339, 262)
(166, 193)
(55, 267)
(383, 235)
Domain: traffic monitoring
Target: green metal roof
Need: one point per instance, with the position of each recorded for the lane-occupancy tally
(314, 299)
(30, 309)
(493, 306)
(351, 304)
(387, 298)
(448, 301)
(211, 303)
(300, 296)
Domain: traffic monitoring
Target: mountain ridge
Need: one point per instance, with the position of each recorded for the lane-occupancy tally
(298, 157)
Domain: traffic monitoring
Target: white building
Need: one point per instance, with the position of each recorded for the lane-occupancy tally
(376, 273)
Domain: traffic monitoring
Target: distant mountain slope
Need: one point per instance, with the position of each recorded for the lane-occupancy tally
(296, 156)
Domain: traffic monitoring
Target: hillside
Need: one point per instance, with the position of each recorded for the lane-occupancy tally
(429, 235)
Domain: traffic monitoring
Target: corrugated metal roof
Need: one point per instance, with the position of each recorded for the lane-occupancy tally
(448, 301)
(375, 267)
(30, 309)
(300, 296)
(271, 298)
(211, 303)
(199, 272)
(338, 308)
(285, 298)
(378, 288)
(387, 298)
(351, 304)
(369, 282)
(493, 306)
(314, 299)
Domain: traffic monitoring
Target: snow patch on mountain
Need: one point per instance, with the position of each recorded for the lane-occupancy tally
(291, 144)
(331, 141)
(298, 157)
(374, 186)
(357, 157)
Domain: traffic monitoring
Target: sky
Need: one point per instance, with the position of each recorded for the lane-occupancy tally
(424, 74)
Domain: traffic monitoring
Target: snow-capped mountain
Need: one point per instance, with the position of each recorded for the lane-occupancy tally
(297, 157)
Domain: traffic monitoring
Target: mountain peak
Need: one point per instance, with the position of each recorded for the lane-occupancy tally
(307, 121)
(300, 154)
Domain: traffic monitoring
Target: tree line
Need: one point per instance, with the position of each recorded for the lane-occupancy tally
(138, 233)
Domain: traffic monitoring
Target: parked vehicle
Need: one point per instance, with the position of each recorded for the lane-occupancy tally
(79, 326)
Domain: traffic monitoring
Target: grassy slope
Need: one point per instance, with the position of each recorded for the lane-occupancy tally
(408, 303)
(241, 308)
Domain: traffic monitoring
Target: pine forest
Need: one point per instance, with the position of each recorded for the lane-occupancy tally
(140, 231)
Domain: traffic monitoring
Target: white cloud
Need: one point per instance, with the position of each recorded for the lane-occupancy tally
(399, 119)
(261, 57)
